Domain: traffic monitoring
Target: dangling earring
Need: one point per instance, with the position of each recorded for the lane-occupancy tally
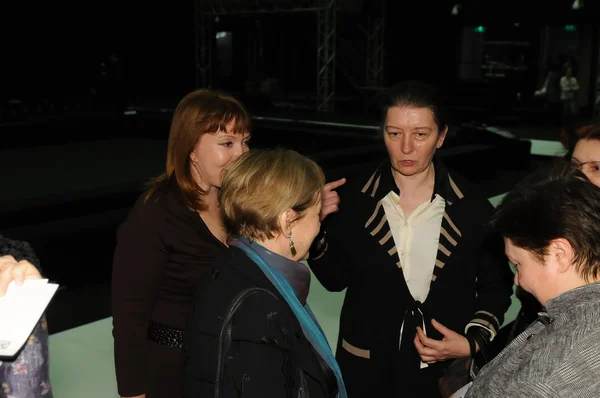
(292, 247)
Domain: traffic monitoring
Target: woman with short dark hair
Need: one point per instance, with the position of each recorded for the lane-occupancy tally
(551, 226)
(425, 283)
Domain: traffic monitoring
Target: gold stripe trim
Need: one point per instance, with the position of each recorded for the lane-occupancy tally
(385, 238)
(489, 314)
(369, 183)
(370, 220)
(444, 250)
(378, 228)
(376, 186)
(359, 352)
(439, 264)
(447, 217)
(392, 251)
(447, 236)
(455, 188)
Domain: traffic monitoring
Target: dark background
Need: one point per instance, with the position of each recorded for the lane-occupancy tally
(77, 146)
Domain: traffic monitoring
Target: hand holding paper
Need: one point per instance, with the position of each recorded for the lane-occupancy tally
(11, 269)
(20, 310)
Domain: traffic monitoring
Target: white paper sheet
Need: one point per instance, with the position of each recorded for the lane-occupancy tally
(20, 310)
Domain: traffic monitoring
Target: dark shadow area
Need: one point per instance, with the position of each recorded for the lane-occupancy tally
(88, 95)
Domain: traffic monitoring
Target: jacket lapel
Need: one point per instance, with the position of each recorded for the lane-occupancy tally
(381, 182)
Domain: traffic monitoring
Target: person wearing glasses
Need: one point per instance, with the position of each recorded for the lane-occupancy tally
(586, 154)
(551, 227)
(584, 151)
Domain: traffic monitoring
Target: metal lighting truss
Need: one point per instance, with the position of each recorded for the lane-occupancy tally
(207, 10)
(326, 56)
(375, 46)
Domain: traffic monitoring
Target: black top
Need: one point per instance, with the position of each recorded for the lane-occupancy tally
(472, 281)
(19, 250)
(162, 250)
(265, 355)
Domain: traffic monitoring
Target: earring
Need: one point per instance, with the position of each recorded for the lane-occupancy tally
(292, 247)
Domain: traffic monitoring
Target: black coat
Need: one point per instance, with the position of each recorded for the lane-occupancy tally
(471, 284)
(264, 352)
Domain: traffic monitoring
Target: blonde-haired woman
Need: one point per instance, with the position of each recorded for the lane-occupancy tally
(251, 332)
(172, 234)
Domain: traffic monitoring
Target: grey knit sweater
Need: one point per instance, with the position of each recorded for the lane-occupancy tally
(557, 356)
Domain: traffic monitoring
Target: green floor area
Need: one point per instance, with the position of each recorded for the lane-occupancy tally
(81, 359)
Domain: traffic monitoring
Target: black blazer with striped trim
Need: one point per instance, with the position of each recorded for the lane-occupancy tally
(472, 282)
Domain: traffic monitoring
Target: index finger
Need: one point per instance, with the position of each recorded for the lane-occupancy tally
(7, 259)
(334, 184)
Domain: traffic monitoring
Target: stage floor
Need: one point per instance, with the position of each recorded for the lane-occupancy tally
(81, 349)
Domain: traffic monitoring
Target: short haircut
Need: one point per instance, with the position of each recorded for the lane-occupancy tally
(552, 203)
(261, 185)
(414, 94)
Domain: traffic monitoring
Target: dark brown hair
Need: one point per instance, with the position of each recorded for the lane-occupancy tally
(554, 203)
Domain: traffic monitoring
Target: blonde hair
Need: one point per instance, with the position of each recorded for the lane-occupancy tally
(261, 185)
(198, 113)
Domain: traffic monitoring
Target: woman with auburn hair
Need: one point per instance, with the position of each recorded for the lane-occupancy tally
(171, 235)
(586, 153)
(251, 332)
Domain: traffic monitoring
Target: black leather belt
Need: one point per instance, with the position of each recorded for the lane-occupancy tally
(164, 335)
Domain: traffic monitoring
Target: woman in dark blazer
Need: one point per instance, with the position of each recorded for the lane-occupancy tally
(172, 234)
(251, 332)
(424, 284)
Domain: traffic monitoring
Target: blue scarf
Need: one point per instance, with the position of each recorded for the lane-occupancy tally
(310, 326)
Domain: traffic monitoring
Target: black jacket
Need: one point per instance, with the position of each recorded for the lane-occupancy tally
(259, 351)
(472, 281)
(163, 248)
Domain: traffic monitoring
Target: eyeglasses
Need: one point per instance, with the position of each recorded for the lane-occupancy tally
(592, 167)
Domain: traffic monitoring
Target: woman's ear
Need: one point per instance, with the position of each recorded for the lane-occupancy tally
(563, 254)
(287, 219)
